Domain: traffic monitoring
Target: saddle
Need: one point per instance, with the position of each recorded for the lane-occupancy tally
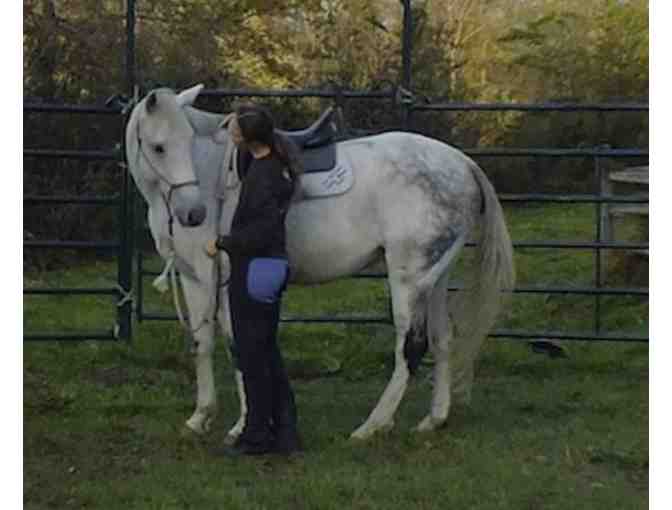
(324, 175)
(316, 143)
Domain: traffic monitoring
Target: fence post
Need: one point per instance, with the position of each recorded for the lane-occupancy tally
(125, 254)
(406, 60)
(600, 253)
(130, 47)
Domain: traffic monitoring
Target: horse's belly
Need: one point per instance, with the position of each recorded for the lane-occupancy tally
(324, 266)
(325, 242)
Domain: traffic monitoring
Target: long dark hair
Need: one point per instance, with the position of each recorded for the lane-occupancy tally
(257, 125)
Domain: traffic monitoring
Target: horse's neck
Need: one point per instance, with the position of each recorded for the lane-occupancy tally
(228, 209)
(204, 123)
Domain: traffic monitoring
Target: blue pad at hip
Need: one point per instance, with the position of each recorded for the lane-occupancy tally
(267, 278)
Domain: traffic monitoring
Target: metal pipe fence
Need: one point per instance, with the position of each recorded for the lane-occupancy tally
(121, 329)
(410, 105)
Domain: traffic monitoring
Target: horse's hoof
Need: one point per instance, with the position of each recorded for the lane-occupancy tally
(230, 439)
(195, 427)
(429, 424)
(187, 432)
(363, 433)
(424, 426)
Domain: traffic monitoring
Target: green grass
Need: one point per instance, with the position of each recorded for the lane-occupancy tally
(103, 422)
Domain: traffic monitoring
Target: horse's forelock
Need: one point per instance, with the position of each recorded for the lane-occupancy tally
(153, 99)
(151, 102)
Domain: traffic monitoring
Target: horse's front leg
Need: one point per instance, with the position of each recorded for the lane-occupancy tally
(224, 318)
(237, 429)
(199, 301)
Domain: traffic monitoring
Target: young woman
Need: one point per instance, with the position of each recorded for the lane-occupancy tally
(259, 273)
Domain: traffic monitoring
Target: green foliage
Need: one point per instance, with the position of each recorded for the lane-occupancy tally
(596, 54)
(476, 49)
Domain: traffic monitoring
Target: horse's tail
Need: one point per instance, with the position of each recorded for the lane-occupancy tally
(472, 310)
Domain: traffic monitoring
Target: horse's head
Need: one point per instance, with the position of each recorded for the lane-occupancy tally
(159, 142)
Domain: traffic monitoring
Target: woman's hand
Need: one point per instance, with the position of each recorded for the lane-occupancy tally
(211, 248)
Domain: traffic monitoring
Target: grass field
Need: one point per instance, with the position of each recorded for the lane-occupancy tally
(103, 422)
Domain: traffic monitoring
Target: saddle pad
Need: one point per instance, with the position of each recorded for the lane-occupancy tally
(336, 181)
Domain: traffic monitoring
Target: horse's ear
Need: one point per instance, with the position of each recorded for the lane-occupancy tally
(187, 97)
(151, 102)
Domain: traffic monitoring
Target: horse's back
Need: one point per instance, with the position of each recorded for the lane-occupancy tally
(406, 147)
(413, 157)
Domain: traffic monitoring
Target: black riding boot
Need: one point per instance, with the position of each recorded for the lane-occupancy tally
(253, 325)
(257, 433)
(287, 439)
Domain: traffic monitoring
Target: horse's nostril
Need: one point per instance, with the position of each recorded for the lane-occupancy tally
(196, 216)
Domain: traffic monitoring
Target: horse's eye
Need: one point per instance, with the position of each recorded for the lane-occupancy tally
(159, 149)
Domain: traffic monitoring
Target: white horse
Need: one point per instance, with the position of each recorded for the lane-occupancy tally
(414, 203)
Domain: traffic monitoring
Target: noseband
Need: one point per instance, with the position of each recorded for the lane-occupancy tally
(171, 186)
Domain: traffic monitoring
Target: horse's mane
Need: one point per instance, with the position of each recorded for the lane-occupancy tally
(204, 123)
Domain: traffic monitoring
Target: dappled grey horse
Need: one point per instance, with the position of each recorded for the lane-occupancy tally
(409, 201)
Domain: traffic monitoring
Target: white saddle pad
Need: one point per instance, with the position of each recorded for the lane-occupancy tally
(326, 184)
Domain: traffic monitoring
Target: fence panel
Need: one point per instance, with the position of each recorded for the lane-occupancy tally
(121, 329)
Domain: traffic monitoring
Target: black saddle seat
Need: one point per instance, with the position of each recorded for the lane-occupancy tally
(317, 149)
(320, 133)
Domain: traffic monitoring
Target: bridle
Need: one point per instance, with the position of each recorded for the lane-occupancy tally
(171, 186)
(169, 271)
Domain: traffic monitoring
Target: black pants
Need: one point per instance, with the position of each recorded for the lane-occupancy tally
(269, 397)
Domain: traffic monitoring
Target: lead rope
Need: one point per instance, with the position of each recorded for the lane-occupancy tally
(229, 165)
(167, 279)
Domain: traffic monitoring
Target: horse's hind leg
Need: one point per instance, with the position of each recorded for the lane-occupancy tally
(198, 301)
(409, 311)
(441, 347)
(451, 377)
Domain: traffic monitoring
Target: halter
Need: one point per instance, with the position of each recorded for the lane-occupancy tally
(171, 186)
(169, 273)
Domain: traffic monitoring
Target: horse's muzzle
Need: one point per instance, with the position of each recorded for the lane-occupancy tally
(194, 217)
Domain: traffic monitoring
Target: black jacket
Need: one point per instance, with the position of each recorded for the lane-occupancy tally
(258, 227)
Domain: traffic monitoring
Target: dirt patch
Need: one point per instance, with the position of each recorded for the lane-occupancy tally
(111, 376)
